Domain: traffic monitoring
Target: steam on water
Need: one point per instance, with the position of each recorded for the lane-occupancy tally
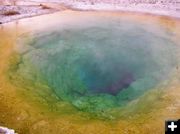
(102, 65)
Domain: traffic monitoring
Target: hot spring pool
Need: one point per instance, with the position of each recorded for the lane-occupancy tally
(108, 65)
(101, 64)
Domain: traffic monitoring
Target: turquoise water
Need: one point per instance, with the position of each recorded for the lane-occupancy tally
(103, 65)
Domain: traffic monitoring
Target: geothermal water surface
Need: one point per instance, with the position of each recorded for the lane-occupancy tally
(101, 66)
